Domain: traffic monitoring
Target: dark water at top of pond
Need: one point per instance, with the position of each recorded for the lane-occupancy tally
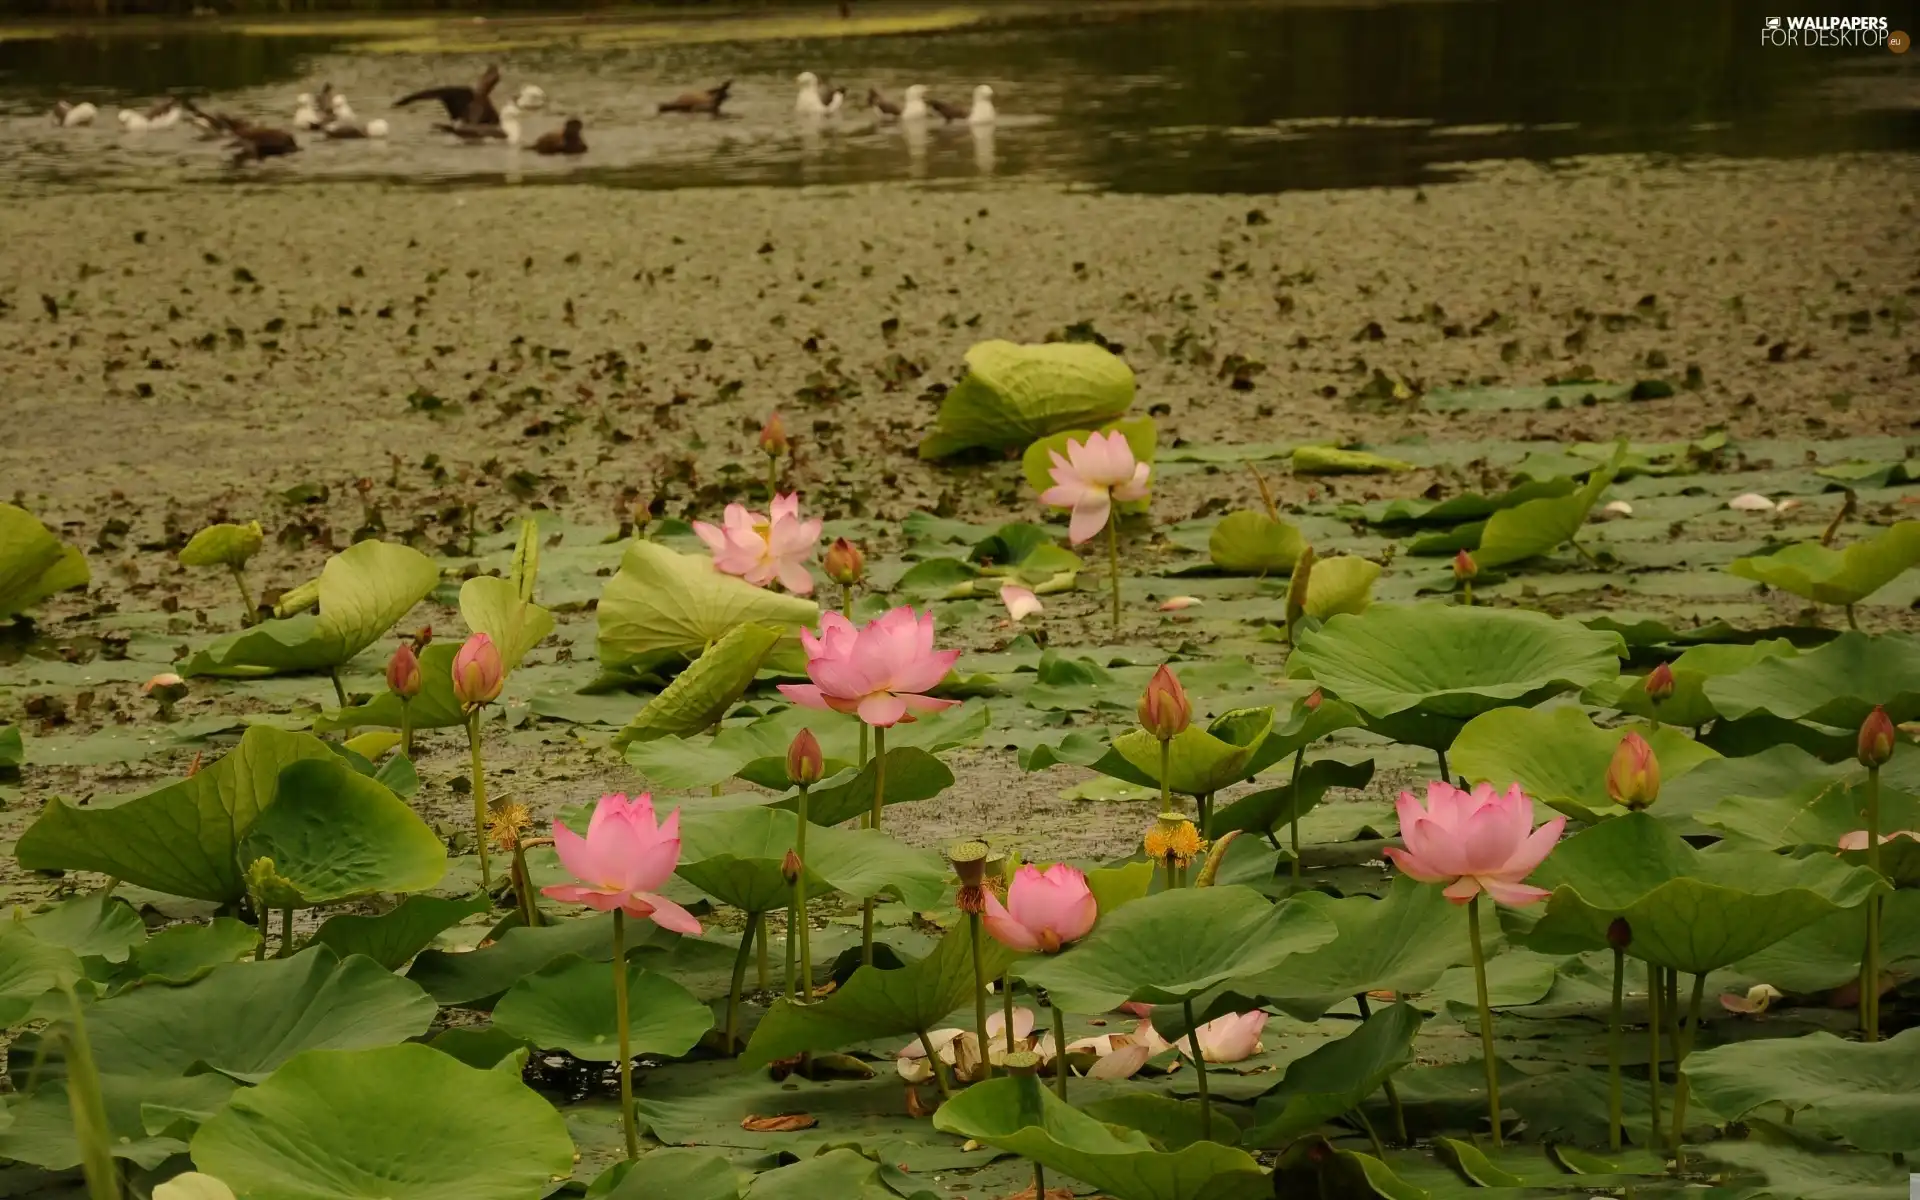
(1211, 98)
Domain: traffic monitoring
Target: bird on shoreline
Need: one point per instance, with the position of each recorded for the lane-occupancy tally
(810, 102)
(257, 144)
(471, 105)
(982, 112)
(214, 124)
(339, 110)
(68, 115)
(306, 115)
(879, 103)
(506, 129)
(707, 101)
(915, 106)
(532, 97)
(566, 140)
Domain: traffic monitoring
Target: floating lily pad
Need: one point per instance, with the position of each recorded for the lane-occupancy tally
(1689, 705)
(1270, 808)
(681, 1174)
(1837, 684)
(364, 589)
(568, 1005)
(90, 925)
(1817, 814)
(1336, 1077)
(183, 953)
(1331, 460)
(34, 564)
(660, 601)
(223, 545)
(1826, 954)
(1201, 761)
(12, 748)
(396, 1121)
(334, 834)
(474, 978)
(394, 937)
(1869, 1094)
(1539, 526)
(1828, 576)
(1559, 757)
(1251, 543)
(1342, 583)
(912, 775)
(1401, 943)
(1781, 1163)
(1013, 394)
(1452, 661)
(757, 751)
(736, 857)
(1459, 509)
(700, 695)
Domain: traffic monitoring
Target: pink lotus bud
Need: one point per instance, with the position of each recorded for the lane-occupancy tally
(805, 764)
(403, 672)
(845, 564)
(1876, 738)
(1659, 683)
(477, 672)
(1165, 710)
(790, 868)
(1633, 777)
(1464, 567)
(773, 437)
(1315, 699)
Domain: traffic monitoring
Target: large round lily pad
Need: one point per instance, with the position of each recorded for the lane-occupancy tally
(1688, 706)
(1013, 394)
(1453, 661)
(1828, 576)
(1868, 1094)
(1837, 684)
(334, 833)
(569, 1005)
(736, 856)
(399, 1121)
(1559, 756)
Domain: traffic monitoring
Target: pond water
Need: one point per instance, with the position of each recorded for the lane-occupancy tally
(1212, 98)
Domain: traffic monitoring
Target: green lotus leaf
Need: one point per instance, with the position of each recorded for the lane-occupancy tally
(1776, 1162)
(1688, 706)
(1201, 762)
(1828, 576)
(843, 1173)
(91, 925)
(735, 856)
(34, 563)
(1331, 460)
(394, 937)
(1450, 660)
(1341, 584)
(493, 606)
(1826, 954)
(183, 953)
(1172, 946)
(1037, 462)
(335, 834)
(1690, 910)
(222, 546)
(876, 1004)
(1817, 814)
(364, 589)
(1539, 526)
(1559, 757)
(1869, 1094)
(1336, 1077)
(1251, 543)
(373, 1124)
(29, 969)
(1401, 943)
(663, 601)
(757, 751)
(1172, 1124)
(703, 693)
(1303, 726)
(1013, 394)
(568, 1005)
(475, 978)
(13, 750)
(1454, 510)
(192, 1185)
(1270, 808)
(1021, 1116)
(1837, 684)
(183, 838)
(1778, 771)
(680, 1173)
(1118, 885)
(912, 775)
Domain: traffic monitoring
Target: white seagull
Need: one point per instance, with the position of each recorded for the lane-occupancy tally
(305, 115)
(808, 103)
(982, 112)
(68, 115)
(914, 108)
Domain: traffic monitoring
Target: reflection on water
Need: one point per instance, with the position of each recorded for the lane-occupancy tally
(1241, 97)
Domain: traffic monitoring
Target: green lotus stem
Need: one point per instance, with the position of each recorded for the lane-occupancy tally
(339, 689)
(1486, 1016)
(760, 940)
(406, 728)
(739, 981)
(793, 913)
(1445, 775)
(1851, 622)
(1654, 988)
(286, 931)
(1386, 1085)
(1200, 1068)
(1039, 1182)
(1614, 1132)
(879, 802)
(1681, 1088)
(1166, 774)
(1670, 1006)
(933, 1064)
(1870, 962)
(1379, 1151)
(980, 997)
(1293, 821)
(479, 799)
(773, 477)
(523, 885)
(1006, 1010)
(627, 1127)
(1466, 593)
(1113, 567)
(800, 899)
(246, 596)
(1060, 1068)
(89, 1109)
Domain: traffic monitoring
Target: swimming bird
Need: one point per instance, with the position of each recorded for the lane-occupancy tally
(566, 140)
(886, 107)
(532, 96)
(163, 115)
(472, 105)
(213, 124)
(507, 129)
(808, 103)
(948, 112)
(349, 130)
(915, 108)
(340, 109)
(707, 101)
(258, 144)
(68, 115)
(833, 102)
(305, 115)
(133, 122)
(982, 112)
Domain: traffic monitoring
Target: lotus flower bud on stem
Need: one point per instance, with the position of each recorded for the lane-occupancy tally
(845, 565)
(1164, 711)
(1633, 777)
(1464, 570)
(478, 673)
(969, 862)
(403, 672)
(773, 436)
(1314, 700)
(1876, 738)
(805, 763)
(1659, 683)
(790, 868)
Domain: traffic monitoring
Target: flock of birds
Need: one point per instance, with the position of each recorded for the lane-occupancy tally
(473, 117)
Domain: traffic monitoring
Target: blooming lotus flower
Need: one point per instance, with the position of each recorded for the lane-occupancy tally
(623, 861)
(1229, 1039)
(1021, 602)
(1857, 840)
(1876, 738)
(880, 671)
(1633, 775)
(478, 673)
(1164, 710)
(761, 549)
(1090, 478)
(1475, 840)
(1045, 910)
(403, 672)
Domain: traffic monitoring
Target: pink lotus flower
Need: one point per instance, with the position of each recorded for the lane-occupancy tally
(1474, 840)
(621, 862)
(1021, 602)
(761, 549)
(1857, 840)
(1229, 1039)
(1090, 478)
(880, 671)
(478, 673)
(1045, 910)
(1178, 603)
